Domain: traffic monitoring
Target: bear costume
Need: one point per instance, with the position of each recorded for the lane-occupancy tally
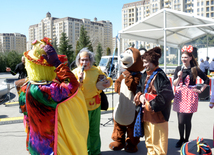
(124, 112)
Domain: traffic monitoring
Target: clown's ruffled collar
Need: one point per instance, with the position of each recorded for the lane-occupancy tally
(42, 82)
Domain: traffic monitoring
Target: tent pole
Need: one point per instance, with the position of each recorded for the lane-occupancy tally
(207, 45)
(118, 55)
(179, 56)
(164, 27)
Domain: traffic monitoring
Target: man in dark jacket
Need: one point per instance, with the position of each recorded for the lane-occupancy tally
(20, 68)
(155, 94)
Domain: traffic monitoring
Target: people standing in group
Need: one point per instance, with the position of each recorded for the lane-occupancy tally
(157, 111)
(212, 66)
(207, 65)
(186, 94)
(20, 68)
(202, 66)
(87, 76)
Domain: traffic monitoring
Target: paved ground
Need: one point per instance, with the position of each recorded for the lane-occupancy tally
(12, 135)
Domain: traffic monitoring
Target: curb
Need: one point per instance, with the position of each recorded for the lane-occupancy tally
(11, 104)
(11, 120)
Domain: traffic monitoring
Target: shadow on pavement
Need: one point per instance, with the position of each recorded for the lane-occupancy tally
(3, 116)
(7, 98)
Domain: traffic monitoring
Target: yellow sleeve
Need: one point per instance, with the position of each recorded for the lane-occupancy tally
(75, 71)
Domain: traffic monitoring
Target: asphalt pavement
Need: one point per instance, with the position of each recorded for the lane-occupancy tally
(13, 136)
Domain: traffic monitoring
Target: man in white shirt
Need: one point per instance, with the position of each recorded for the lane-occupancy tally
(202, 66)
(206, 65)
(212, 66)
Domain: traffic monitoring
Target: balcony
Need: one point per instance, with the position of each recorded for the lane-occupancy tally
(167, 6)
(147, 9)
(189, 8)
(147, 14)
(166, 1)
(189, 2)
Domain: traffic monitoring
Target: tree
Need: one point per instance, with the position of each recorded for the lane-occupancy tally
(98, 54)
(84, 40)
(54, 44)
(77, 50)
(108, 51)
(2, 62)
(90, 47)
(12, 59)
(65, 48)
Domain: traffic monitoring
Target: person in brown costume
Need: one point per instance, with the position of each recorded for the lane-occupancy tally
(156, 111)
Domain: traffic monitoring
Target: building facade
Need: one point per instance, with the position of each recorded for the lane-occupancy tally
(137, 11)
(12, 42)
(51, 27)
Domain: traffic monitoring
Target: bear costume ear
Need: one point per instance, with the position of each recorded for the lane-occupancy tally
(142, 51)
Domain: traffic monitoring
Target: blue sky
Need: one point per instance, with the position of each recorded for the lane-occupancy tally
(18, 15)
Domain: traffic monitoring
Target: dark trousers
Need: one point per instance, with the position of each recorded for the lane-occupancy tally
(206, 71)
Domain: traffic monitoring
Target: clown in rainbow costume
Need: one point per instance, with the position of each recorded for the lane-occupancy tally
(55, 112)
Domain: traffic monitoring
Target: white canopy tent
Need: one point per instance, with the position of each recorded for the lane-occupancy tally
(168, 28)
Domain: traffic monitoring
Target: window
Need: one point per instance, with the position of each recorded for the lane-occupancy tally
(198, 10)
(207, 3)
(207, 15)
(207, 9)
(212, 8)
(198, 4)
(202, 3)
(211, 14)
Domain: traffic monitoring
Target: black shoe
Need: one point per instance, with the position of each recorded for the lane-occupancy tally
(185, 140)
(179, 143)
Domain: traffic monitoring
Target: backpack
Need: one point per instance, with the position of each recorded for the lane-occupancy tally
(196, 147)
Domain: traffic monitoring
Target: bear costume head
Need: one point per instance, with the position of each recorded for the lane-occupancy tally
(131, 59)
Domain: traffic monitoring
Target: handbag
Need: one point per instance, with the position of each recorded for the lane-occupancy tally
(104, 101)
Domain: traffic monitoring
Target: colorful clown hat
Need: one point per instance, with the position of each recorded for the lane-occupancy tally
(35, 55)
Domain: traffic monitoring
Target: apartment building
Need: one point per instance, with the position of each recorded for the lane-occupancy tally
(137, 11)
(51, 27)
(12, 41)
